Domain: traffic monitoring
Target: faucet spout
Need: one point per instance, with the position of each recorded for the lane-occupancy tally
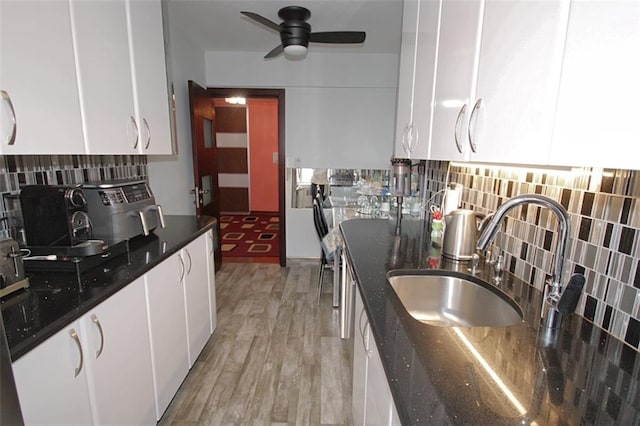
(492, 227)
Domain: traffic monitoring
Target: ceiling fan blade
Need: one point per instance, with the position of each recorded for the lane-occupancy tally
(261, 19)
(275, 52)
(338, 37)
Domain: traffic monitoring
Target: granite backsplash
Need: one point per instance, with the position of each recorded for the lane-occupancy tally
(604, 209)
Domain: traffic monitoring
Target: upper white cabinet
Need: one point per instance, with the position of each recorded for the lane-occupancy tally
(497, 80)
(416, 78)
(104, 76)
(518, 76)
(40, 105)
(83, 77)
(597, 116)
(149, 76)
(460, 23)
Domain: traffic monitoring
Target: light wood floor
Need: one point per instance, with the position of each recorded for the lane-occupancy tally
(275, 358)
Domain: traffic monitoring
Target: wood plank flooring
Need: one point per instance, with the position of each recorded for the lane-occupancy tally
(276, 357)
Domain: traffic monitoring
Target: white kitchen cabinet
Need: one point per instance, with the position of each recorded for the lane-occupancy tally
(505, 112)
(197, 295)
(117, 352)
(149, 76)
(101, 42)
(405, 130)
(167, 328)
(518, 77)
(460, 24)
(38, 78)
(597, 116)
(52, 381)
(371, 398)
(211, 274)
(108, 347)
(416, 78)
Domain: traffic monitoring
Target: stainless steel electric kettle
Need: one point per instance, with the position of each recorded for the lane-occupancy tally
(460, 234)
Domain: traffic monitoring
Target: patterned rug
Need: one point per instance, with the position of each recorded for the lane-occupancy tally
(255, 235)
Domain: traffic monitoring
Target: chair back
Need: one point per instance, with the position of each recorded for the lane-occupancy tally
(319, 220)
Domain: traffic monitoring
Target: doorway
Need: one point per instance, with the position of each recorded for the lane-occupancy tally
(234, 160)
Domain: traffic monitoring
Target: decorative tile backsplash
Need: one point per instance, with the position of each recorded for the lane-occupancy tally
(20, 170)
(604, 210)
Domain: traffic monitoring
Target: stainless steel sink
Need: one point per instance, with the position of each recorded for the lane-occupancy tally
(453, 299)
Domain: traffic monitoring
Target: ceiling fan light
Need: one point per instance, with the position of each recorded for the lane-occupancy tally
(295, 51)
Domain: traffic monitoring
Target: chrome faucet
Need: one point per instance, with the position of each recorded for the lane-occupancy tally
(551, 316)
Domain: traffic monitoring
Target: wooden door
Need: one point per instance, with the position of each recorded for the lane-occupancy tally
(205, 169)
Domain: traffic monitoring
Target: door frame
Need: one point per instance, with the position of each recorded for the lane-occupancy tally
(224, 92)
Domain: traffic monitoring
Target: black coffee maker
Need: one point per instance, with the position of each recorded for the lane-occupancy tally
(54, 215)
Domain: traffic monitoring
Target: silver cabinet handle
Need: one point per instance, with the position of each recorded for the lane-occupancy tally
(366, 347)
(12, 138)
(182, 267)
(409, 138)
(210, 235)
(96, 321)
(146, 125)
(76, 339)
(135, 125)
(457, 127)
(477, 105)
(190, 263)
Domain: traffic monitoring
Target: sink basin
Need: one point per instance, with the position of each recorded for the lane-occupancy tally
(452, 299)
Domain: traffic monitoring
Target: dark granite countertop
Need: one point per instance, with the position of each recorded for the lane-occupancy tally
(55, 299)
(442, 375)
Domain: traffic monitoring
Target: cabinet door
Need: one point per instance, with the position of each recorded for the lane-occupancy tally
(518, 78)
(360, 361)
(167, 329)
(460, 24)
(104, 72)
(379, 405)
(52, 381)
(211, 272)
(405, 130)
(429, 20)
(197, 297)
(118, 355)
(149, 76)
(597, 117)
(38, 74)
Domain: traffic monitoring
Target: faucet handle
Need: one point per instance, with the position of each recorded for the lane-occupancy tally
(571, 294)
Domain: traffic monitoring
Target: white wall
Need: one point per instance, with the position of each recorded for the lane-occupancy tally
(171, 177)
(340, 109)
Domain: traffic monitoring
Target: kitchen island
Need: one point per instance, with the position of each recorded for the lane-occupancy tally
(484, 375)
(55, 299)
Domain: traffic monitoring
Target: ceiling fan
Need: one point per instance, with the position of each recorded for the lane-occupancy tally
(296, 34)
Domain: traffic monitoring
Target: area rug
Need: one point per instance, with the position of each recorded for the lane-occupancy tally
(254, 235)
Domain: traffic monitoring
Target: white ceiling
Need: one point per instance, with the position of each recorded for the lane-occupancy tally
(218, 25)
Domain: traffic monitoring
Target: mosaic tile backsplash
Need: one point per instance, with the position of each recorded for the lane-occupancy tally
(20, 170)
(604, 209)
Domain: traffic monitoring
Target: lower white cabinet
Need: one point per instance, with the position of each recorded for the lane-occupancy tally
(167, 327)
(122, 362)
(372, 400)
(95, 371)
(52, 381)
(197, 296)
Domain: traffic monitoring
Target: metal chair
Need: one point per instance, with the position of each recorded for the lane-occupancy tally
(322, 229)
